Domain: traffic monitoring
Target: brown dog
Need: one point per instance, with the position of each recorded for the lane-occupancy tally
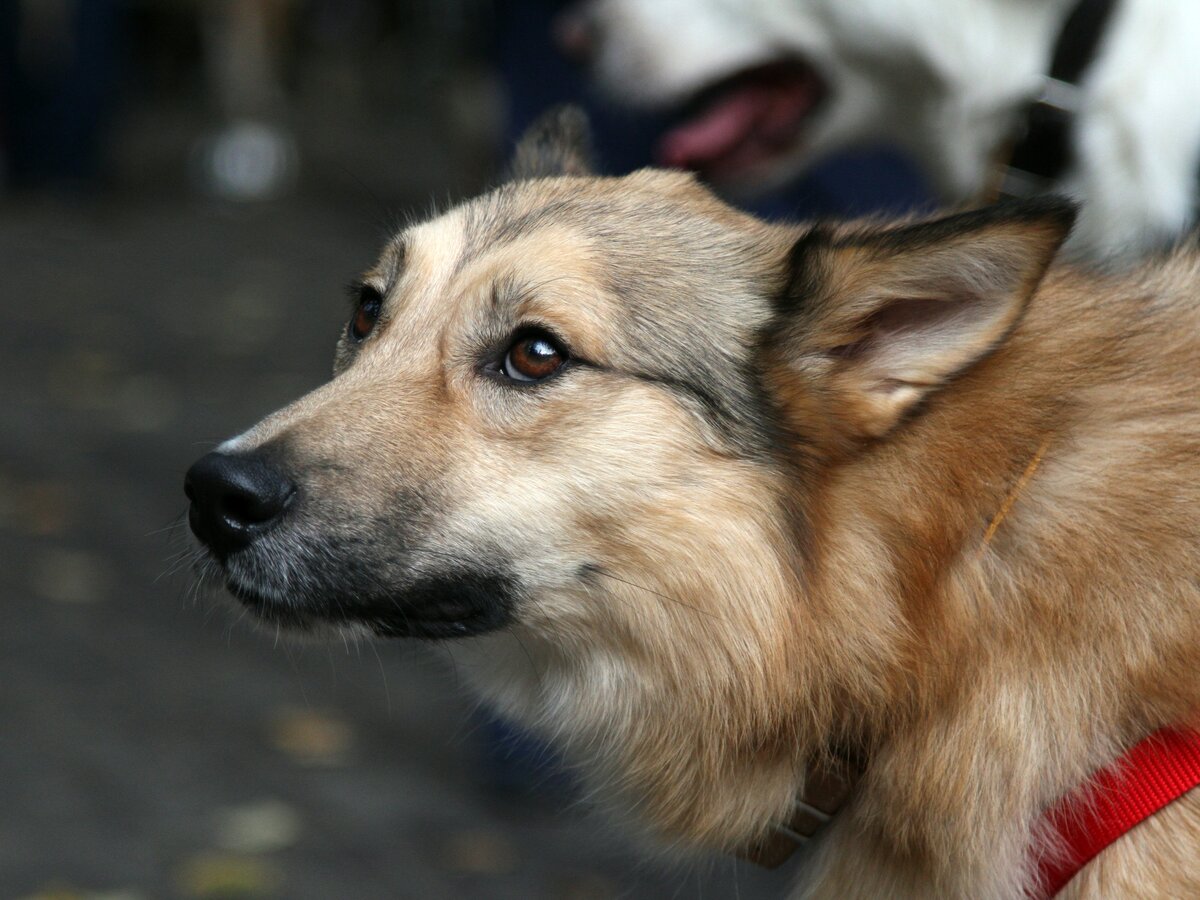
(722, 504)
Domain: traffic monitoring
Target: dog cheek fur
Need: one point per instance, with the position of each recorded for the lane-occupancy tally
(665, 686)
(670, 666)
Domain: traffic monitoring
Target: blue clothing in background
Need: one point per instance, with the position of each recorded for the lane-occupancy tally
(57, 91)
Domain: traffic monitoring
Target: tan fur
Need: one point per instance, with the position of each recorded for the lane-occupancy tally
(749, 612)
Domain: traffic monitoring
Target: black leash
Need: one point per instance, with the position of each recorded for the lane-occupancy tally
(1043, 150)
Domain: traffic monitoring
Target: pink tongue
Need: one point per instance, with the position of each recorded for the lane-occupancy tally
(744, 125)
(716, 132)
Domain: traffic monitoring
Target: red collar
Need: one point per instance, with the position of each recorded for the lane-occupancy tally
(1152, 774)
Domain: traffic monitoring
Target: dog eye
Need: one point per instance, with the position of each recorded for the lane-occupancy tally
(366, 314)
(533, 356)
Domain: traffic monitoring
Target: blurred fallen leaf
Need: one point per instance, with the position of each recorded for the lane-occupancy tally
(62, 892)
(312, 738)
(250, 314)
(54, 892)
(229, 877)
(146, 403)
(41, 508)
(92, 381)
(587, 887)
(70, 576)
(481, 852)
(9, 491)
(84, 380)
(258, 827)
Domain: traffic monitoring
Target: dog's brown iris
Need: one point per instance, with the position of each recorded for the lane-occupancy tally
(533, 356)
(366, 314)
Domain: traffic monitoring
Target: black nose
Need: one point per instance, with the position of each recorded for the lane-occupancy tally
(234, 499)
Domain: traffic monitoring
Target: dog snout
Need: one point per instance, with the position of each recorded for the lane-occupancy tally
(234, 498)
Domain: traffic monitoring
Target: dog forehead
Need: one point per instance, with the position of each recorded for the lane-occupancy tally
(646, 198)
(653, 221)
(642, 239)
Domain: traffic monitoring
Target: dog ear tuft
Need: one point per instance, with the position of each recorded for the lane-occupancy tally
(558, 143)
(877, 321)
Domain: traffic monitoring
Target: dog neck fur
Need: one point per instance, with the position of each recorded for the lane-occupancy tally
(999, 698)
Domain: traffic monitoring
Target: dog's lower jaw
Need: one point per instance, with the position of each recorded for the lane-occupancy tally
(461, 604)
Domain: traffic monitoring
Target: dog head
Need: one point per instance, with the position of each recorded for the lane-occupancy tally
(581, 424)
(765, 88)
(525, 384)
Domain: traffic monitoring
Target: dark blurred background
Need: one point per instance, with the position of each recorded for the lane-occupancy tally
(185, 187)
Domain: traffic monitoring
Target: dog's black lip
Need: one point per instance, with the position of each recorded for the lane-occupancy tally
(392, 625)
(385, 619)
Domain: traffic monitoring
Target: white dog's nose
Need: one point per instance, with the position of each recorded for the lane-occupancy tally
(576, 34)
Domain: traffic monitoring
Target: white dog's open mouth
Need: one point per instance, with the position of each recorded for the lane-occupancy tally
(744, 121)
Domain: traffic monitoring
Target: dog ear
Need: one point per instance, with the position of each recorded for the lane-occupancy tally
(874, 322)
(559, 142)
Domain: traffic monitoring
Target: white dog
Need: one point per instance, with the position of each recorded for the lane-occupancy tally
(773, 85)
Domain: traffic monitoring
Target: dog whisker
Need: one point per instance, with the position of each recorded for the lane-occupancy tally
(537, 673)
(178, 523)
(595, 570)
(387, 693)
